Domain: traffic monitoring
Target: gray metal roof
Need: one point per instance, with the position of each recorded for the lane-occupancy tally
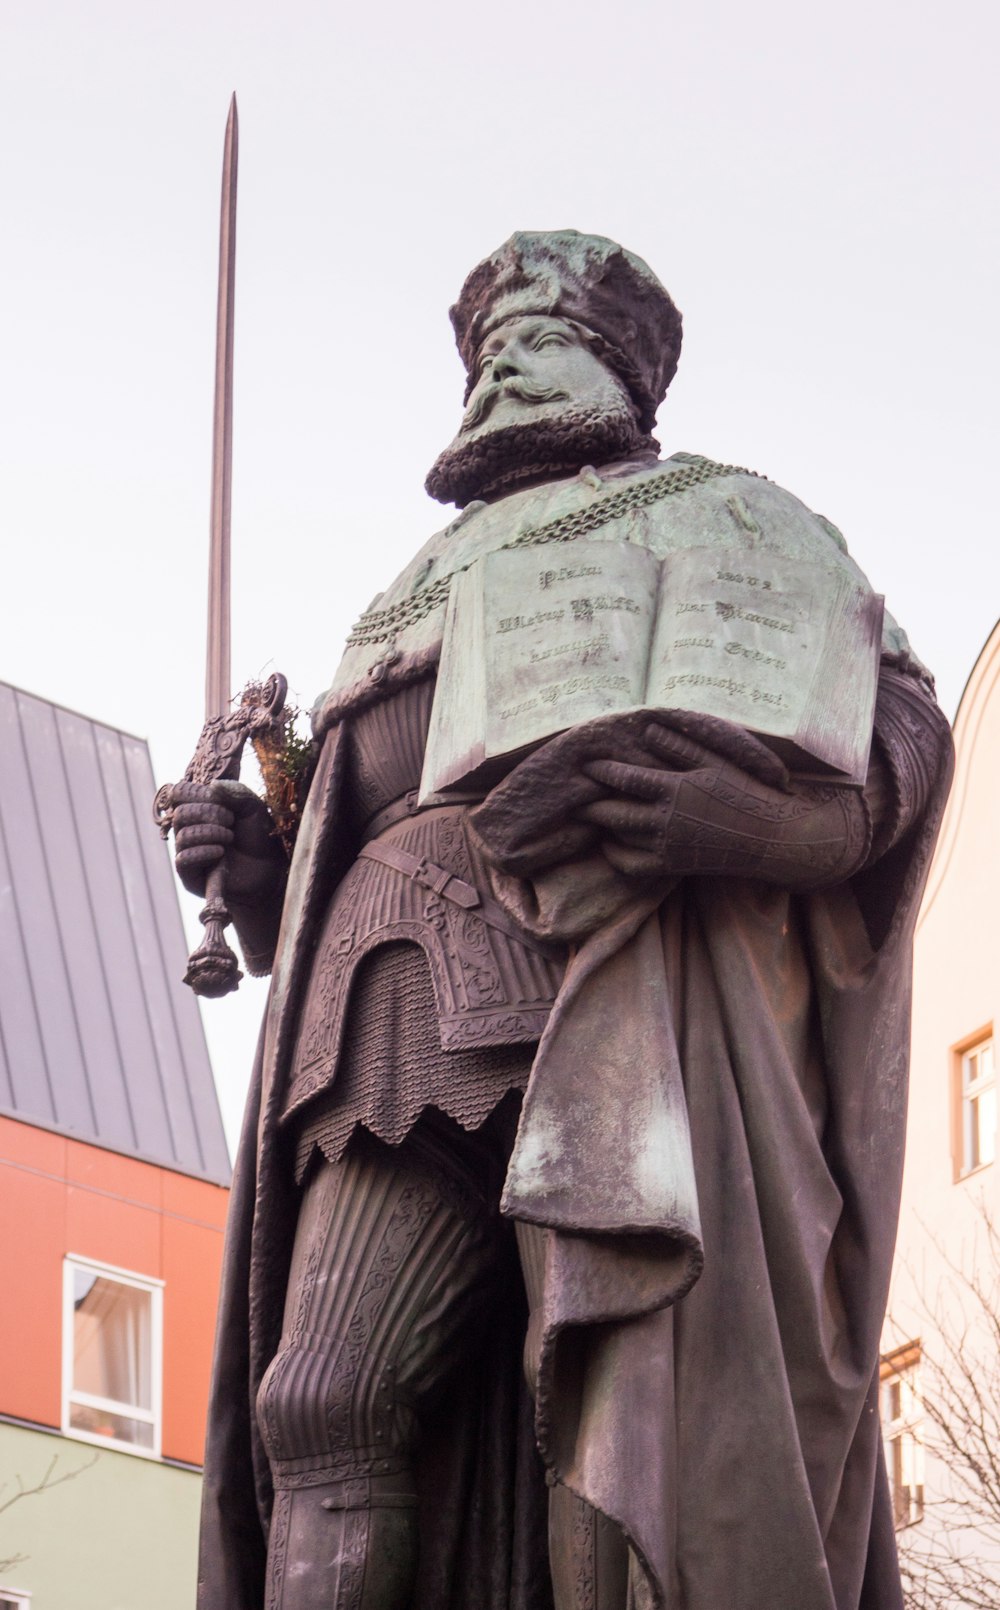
(99, 1039)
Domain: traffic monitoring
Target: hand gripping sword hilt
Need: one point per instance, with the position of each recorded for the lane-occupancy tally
(213, 969)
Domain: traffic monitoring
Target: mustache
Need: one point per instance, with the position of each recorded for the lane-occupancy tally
(518, 386)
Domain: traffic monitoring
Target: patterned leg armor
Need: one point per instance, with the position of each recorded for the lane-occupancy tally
(588, 1556)
(394, 1254)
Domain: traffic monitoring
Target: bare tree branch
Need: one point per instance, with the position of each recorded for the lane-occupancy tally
(951, 1559)
(48, 1482)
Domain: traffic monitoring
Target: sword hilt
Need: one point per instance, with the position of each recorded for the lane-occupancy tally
(213, 968)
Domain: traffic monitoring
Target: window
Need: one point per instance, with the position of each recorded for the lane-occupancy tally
(899, 1392)
(112, 1356)
(11, 1600)
(975, 1105)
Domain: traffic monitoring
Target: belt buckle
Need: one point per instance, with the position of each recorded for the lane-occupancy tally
(431, 876)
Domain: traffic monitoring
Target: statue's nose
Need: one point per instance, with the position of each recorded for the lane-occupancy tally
(504, 365)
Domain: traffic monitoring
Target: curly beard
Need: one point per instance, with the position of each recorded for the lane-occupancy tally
(498, 460)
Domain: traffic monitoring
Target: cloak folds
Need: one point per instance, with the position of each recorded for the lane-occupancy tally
(752, 1116)
(726, 1070)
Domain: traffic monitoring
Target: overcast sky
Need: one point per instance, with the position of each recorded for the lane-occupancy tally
(816, 185)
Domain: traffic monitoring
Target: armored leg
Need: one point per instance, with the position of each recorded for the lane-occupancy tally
(393, 1261)
(333, 1547)
(588, 1555)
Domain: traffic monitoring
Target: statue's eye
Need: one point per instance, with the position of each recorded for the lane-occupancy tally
(551, 338)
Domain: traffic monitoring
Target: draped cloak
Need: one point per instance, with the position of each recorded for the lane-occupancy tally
(711, 1139)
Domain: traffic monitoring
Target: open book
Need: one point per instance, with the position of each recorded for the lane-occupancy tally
(538, 639)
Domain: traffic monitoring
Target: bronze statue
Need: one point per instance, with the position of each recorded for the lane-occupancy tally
(563, 1217)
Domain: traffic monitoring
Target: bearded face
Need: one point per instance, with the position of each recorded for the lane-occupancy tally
(543, 404)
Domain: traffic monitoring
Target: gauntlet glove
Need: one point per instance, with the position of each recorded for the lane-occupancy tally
(691, 811)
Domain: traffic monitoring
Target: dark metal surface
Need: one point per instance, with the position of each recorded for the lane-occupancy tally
(98, 1038)
(213, 969)
(710, 1141)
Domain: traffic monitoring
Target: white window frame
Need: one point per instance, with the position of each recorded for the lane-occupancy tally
(967, 1091)
(15, 1597)
(902, 1367)
(152, 1416)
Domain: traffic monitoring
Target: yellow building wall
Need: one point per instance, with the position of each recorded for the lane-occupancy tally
(956, 994)
(956, 986)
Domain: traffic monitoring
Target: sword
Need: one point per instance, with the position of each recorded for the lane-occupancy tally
(213, 969)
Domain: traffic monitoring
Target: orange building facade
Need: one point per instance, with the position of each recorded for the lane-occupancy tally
(74, 1200)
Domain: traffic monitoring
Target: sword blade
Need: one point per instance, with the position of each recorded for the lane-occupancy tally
(217, 668)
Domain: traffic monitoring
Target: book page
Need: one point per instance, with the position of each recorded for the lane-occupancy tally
(566, 635)
(839, 711)
(745, 636)
(733, 637)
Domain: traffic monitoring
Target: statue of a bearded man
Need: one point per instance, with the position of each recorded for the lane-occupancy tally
(562, 1223)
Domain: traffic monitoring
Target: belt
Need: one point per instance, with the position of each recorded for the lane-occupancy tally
(396, 811)
(449, 887)
(427, 873)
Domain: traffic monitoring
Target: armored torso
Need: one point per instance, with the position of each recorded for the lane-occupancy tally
(422, 990)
